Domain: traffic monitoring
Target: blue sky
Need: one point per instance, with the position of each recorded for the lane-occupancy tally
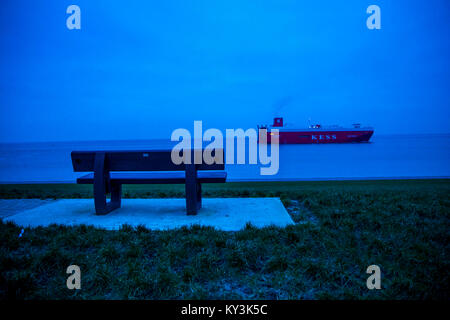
(140, 69)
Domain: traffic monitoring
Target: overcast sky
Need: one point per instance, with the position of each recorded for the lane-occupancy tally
(140, 69)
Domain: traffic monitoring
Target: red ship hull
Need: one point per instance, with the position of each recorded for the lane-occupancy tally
(321, 136)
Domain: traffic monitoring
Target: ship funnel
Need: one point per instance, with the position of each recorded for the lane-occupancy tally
(277, 122)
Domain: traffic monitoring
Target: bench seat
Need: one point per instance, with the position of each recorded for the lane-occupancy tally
(109, 170)
(160, 177)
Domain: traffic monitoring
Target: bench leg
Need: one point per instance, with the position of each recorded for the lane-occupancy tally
(116, 195)
(191, 190)
(102, 206)
(199, 196)
(102, 186)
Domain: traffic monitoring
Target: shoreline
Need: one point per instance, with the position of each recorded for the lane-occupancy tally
(349, 179)
(279, 189)
(161, 139)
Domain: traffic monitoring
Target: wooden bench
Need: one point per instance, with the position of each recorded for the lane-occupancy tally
(108, 175)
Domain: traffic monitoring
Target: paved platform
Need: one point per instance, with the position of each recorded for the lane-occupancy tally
(9, 207)
(228, 214)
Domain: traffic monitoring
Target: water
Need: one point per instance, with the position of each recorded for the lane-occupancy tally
(387, 156)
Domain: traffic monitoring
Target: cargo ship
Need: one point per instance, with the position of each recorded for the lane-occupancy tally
(316, 133)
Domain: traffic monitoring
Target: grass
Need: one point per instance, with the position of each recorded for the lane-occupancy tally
(341, 228)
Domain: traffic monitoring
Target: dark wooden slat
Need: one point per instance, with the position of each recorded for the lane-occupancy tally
(143, 160)
(102, 186)
(174, 177)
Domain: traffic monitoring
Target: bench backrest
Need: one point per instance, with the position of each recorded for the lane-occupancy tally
(146, 160)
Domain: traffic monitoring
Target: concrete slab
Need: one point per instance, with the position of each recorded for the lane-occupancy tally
(9, 207)
(229, 214)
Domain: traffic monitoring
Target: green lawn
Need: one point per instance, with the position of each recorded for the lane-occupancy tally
(341, 228)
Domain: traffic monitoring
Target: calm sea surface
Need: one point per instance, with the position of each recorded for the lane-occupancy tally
(386, 156)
